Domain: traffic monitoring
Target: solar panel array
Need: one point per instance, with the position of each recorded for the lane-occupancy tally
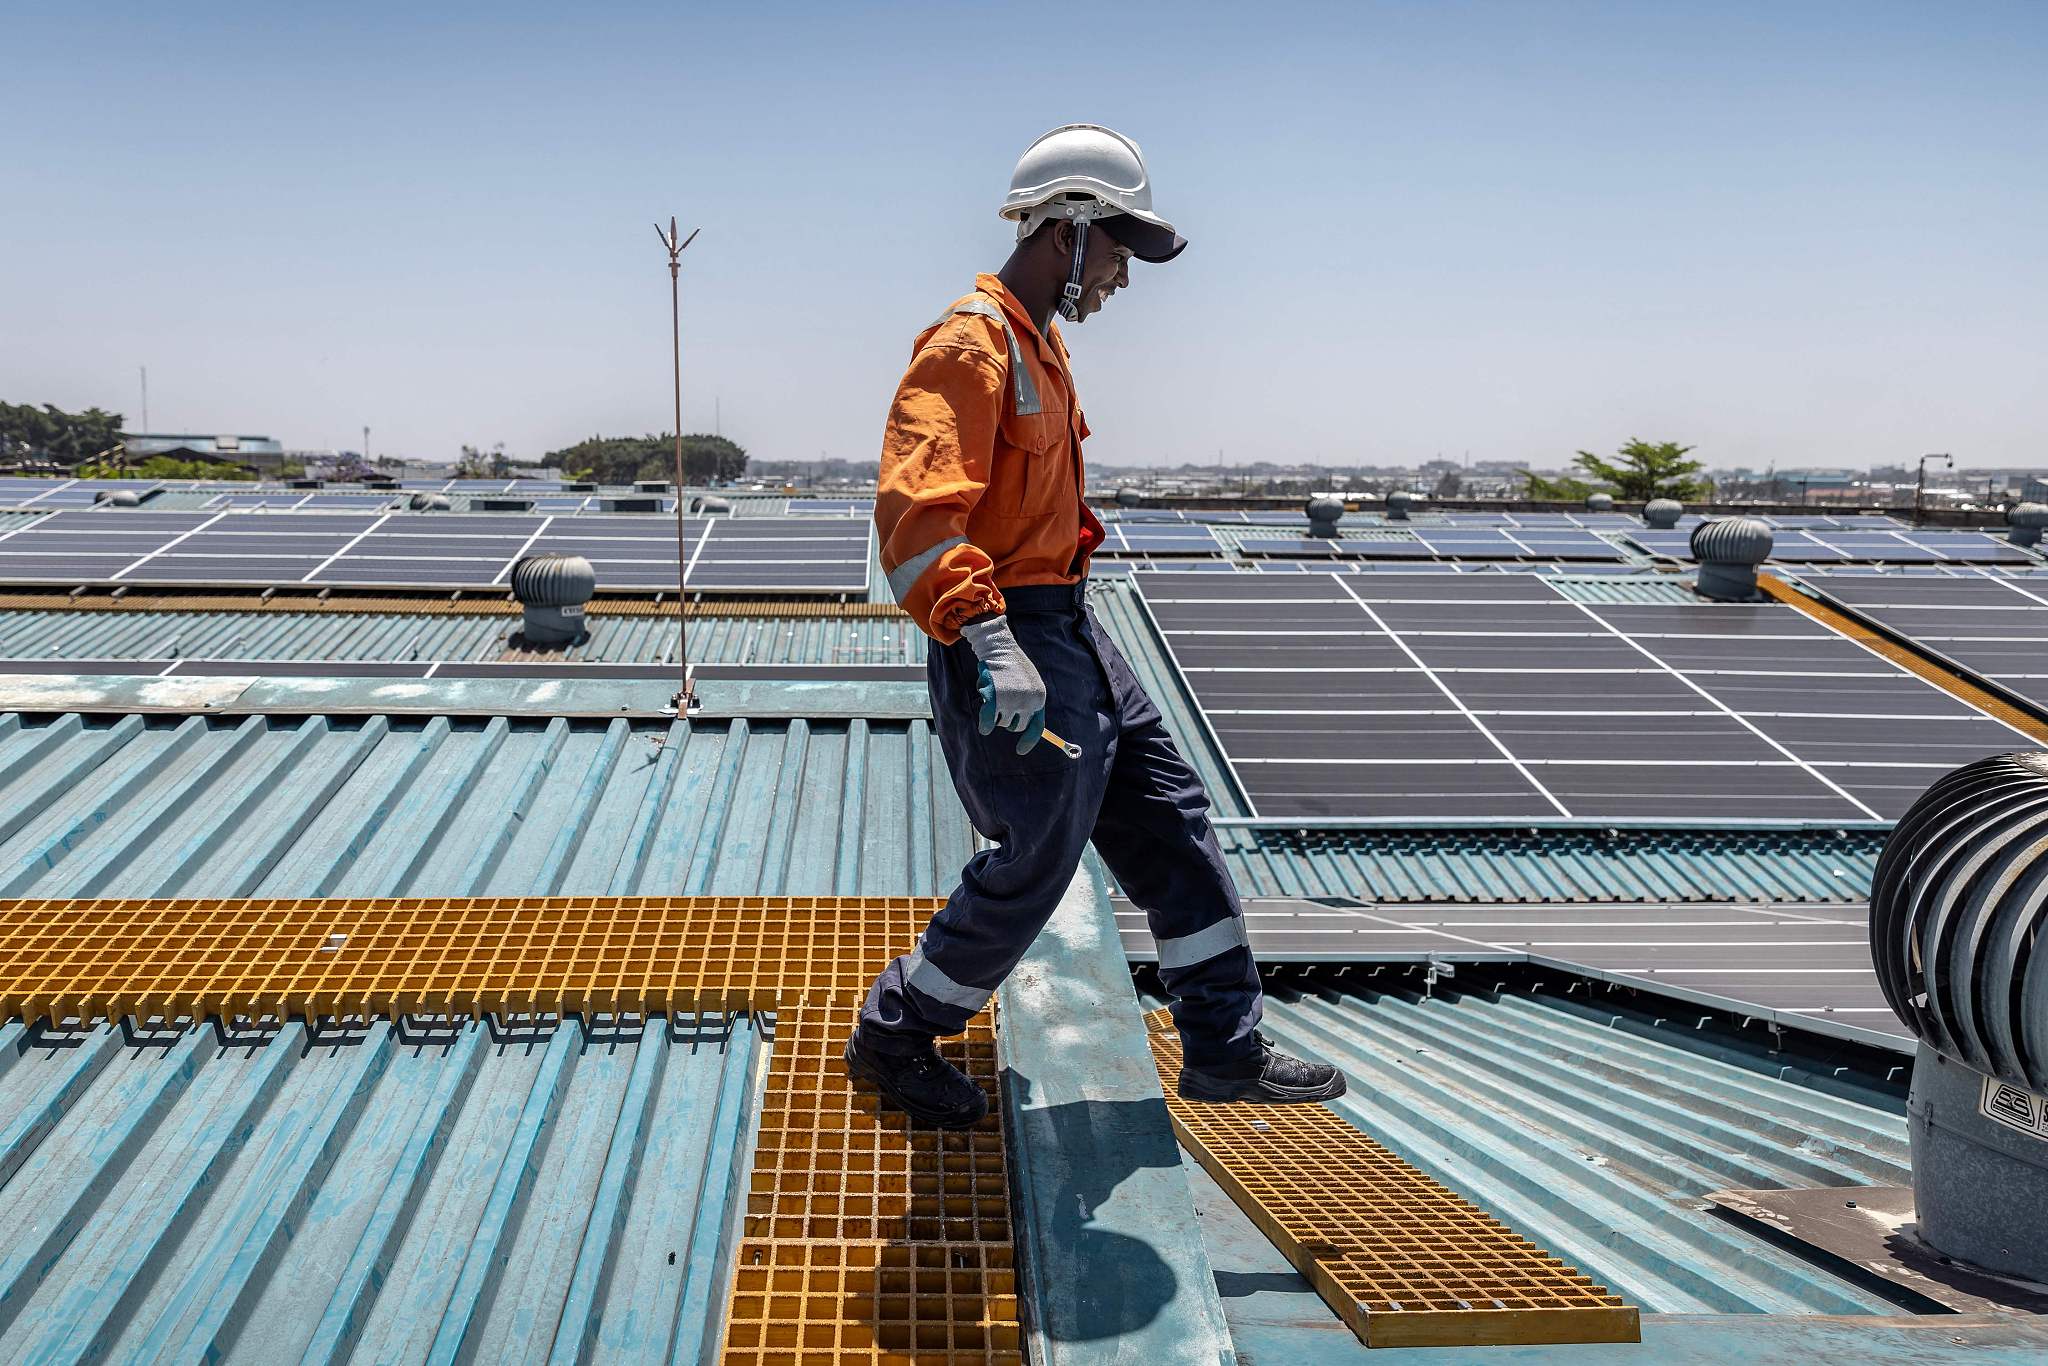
(831, 507)
(1403, 697)
(429, 551)
(20, 491)
(1444, 543)
(1825, 521)
(1532, 521)
(1808, 965)
(1992, 625)
(1575, 568)
(481, 486)
(1823, 545)
(1222, 517)
(1159, 538)
(302, 500)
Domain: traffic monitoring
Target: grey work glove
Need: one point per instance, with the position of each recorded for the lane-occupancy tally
(1012, 693)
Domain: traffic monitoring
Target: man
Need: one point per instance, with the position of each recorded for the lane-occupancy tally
(986, 541)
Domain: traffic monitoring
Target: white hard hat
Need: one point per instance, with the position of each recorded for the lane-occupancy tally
(1088, 173)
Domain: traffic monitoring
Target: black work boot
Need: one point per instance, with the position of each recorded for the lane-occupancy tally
(922, 1084)
(1269, 1077)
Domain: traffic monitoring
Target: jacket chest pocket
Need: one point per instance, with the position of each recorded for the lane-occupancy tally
(1035, 475)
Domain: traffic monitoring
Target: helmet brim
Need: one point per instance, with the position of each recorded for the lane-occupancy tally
(1148, 240)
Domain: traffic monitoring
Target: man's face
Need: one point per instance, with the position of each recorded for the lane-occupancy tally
(1105, 268)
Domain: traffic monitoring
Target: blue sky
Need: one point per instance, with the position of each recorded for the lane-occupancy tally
(1790, 232)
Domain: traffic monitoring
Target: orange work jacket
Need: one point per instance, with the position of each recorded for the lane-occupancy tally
(981, 479)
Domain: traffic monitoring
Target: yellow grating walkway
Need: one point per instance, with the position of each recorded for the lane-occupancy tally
(1401, 1259)
(865, 1240)
(92, 960)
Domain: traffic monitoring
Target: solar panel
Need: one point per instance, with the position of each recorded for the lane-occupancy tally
(1496, 697)
(1206, 516)
(1867, 543)
(1449, 543)
(293, 500)
(471, 551)
(21, 491)
(831, 507)
(1731, 955)
(1991, 625)
(1159, 538)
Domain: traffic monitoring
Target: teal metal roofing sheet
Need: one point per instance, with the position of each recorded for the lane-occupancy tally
(147, 635)
(163, 805)
(1555, 865)
(1659, 591)
(545, 1191)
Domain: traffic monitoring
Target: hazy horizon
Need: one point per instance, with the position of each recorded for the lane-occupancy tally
(1802, 235)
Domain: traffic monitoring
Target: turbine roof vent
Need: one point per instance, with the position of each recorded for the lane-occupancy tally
(1663, 513)
(553, 588)
(1728, 551)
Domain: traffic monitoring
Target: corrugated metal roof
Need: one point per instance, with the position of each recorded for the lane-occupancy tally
(1555, 865)
(144, 635)
(1614, 589)
(1594, 1141)
(428, 1191)
(163, 805)
(425, 1192)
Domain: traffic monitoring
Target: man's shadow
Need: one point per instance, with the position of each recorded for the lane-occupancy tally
(1102, 1283)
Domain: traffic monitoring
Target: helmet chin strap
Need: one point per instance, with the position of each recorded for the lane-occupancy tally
(1070, 297)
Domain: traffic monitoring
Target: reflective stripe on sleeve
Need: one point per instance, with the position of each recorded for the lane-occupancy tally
(921, 973)
(1199, 947)
(904, 576)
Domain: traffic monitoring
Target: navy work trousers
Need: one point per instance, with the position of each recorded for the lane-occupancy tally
(1130, 793)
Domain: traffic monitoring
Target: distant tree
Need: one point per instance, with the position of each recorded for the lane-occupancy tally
(1563, 489)
(163, 467)
(49, 433)
(1642, 470)
(1448, 485)
(473, 464)
(707, 459)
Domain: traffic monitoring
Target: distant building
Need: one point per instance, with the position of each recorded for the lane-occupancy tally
(263, 454)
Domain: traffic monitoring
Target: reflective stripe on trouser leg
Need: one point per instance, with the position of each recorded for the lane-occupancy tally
(904, 576)
(921, 974)
(1199, 947)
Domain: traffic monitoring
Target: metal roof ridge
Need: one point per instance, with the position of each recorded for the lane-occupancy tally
(1091, 1135)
